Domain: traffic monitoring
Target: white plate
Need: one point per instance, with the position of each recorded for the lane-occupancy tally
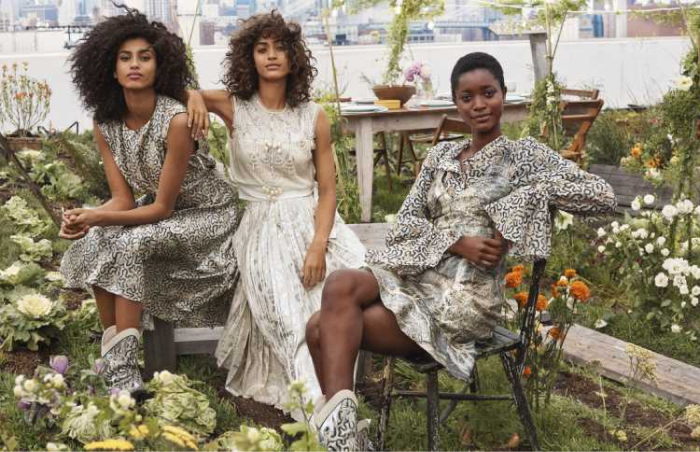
(351, 109)
(436, 103)
(444, 96)
(364, 100)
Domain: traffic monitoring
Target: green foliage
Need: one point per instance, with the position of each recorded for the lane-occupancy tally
(25, 219)
(544, 118)
(85, 160)
(218, 143)
(609, 140)
(29, 318)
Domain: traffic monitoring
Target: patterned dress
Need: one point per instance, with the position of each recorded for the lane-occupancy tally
(263, 344)
(442, 301)
(182, 268)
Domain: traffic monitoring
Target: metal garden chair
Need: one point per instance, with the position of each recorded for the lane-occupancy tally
(510, 346)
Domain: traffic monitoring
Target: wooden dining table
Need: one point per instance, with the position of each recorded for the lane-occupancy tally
(365, 125)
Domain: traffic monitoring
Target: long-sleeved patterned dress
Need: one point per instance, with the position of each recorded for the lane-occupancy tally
(442, 301)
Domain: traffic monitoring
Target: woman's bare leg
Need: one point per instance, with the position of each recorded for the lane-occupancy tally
(352, 316)
(128, 313)
(105, 306)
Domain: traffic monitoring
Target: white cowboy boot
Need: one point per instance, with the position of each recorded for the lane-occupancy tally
(336, 422)
(363, 441)
(120, 356)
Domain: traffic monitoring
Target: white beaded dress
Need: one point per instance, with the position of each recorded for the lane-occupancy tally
(263, 344)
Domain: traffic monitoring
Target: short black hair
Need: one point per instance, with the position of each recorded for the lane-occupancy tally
(473, 61)
(94, 60)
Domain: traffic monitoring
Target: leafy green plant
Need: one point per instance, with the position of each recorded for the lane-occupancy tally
(24, 101)
(29, 318)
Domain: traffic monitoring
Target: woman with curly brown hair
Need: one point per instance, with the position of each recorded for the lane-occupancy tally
(287, 241)
(170, 252)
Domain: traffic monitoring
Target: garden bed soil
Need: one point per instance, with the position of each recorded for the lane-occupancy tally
(587, 392)
(22, 361)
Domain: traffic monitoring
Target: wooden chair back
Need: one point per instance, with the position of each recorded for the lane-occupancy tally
(577, 119)
(450, 129)
(590, 94)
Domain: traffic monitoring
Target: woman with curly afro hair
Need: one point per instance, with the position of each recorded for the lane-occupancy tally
(280, 150)
(169, 253)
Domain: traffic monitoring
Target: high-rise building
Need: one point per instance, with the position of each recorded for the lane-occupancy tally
(8, 14)
(67, 11)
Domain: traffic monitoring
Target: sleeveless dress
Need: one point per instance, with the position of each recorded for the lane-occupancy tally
(442, 301)
(182, 268)
(263, 344)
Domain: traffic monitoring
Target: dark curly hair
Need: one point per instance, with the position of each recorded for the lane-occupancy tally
(473, 61)
(241, 77)
(94, 61)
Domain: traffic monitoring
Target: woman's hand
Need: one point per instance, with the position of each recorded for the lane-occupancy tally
(72, 233)
(483, 252)
(314, 265)
(197, 115)
(78, 219)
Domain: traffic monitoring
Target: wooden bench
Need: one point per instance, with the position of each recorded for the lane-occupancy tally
(164, 343)
(628, 185)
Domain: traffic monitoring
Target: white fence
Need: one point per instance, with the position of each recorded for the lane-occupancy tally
(625, 70)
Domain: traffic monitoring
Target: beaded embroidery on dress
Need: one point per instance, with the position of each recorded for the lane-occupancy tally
(263, 344)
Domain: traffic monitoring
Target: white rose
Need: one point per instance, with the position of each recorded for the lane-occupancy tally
(679, 281)
(685, 207)
(618, 244)
(35, 306)
(694, 301)
(683, 304)
(683, 291)
(642, 233)
(649, 199)
(615, 229)
(624, 227)
(661, 241)
(649, 248)
(669, 212)
(601, 249)
(661, 280)
(696, 291)
(675, 328)
(601, 232)
(665, 252)
(636, 205)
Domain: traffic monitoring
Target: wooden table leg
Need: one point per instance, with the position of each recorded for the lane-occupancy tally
(365, 167)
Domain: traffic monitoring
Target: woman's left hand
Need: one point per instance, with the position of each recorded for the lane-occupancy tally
(314, 266)
(80, 218)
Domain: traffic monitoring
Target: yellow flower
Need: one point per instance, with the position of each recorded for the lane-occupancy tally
(580, 291)
(636, 151)
(110, 444)
(180, 436)
(514, 279)
(139, 433)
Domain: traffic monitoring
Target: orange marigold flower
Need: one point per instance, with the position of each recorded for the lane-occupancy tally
(554, 290)
(653, 163)
(541, 303)
(580, 291)
(527, 371)
(514, 279)
(521, 298)
(636, 151)
(555, 333)
(519, 268)
(569, 273)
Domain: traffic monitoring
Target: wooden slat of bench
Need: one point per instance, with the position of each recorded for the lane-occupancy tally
(628, 186)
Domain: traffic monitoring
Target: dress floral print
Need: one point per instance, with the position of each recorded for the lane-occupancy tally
(182, 268)
(442, 301)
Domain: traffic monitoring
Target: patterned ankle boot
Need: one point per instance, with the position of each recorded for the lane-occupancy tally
(120, 356)
(336, 422)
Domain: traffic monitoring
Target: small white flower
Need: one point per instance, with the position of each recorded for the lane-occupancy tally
(618, 244)
(661, 280)
(661, 241)
(683, 291)
(649, 199)
(564, 280)
(18, 391)
(679, 281)
(615, 224)
(19, 379)
(601, 232)
(624, 227)
(649, 248)
(696, 291)
(653, 173)
(695, 271)
(669, 212)
(694, 301)
(124, 400)
(601, 249)
(683, 304)
(665, 252)
(615, 230)
(54, 277)
(58, 381)
(29, 385)
(642, 233)
(600, 323)
(675, 328)
(636, 205)
(683, 83)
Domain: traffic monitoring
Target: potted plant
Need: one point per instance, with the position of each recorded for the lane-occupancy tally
(24, 103)
(397, 37)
